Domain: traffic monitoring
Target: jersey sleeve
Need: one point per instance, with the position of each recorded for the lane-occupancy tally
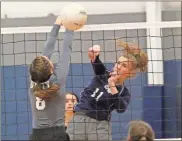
(62, 67)
(51, 41)
(122, 101)
(98, 67)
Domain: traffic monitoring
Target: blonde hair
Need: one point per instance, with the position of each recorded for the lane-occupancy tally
(133, 52)
(140, 131)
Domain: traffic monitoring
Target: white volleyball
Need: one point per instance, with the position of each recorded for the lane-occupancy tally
(74, 16)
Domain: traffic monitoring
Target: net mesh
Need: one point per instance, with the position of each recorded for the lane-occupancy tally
(161, 109)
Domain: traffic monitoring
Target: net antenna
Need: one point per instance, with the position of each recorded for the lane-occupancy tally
(154, 46)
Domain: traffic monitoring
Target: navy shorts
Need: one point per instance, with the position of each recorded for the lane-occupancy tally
(52, 133)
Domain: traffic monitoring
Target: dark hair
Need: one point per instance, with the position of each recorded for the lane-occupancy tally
(140, 131)
(40, 72)
(40, 69)
(74, 95)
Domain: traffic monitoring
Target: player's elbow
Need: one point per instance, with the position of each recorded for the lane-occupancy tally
(122, 105)
(122, 109)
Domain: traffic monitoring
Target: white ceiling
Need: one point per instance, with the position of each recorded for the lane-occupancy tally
(38, 9)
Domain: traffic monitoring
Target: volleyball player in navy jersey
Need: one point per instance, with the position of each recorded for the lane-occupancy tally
(47, 89)
(105, 92)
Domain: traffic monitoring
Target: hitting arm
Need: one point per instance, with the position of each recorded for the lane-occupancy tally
(98, 66)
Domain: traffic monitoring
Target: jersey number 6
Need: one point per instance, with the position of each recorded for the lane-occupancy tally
(40, 104)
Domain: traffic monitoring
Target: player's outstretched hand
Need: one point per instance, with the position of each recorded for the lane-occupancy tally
(59, 20)
(93, 52)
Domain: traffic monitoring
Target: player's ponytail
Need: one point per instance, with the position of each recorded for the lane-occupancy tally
(44, 92)
(134, 52)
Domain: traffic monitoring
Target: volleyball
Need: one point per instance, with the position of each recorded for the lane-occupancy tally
(74, 16)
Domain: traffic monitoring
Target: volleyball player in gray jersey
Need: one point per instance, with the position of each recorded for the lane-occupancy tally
(47, 88)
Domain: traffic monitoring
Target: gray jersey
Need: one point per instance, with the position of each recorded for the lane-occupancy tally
(50, 113)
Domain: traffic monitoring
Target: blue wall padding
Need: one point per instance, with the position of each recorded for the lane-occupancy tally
(179, 109)
(152, 108)
(172, 78)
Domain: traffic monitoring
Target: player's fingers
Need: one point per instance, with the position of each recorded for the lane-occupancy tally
(91, 55)
(93, 51)
(90, 49)
(96, 48)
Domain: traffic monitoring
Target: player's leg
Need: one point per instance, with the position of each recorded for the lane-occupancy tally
(99, 130)
(104, 130)
(77, 127)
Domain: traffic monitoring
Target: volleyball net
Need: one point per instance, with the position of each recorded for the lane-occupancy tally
(155, 94)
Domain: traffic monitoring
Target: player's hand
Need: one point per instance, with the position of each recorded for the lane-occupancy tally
(93, 52)
(59, 20)
(113, 79)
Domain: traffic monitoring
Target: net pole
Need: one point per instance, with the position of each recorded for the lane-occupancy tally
(154, 44)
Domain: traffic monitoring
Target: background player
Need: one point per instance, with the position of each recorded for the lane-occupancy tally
(106, 92)
(47, 90)
(71, 100)
(140, 131)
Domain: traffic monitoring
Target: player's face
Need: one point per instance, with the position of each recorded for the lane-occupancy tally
(70, 102)
(52, 66)
(123, 67)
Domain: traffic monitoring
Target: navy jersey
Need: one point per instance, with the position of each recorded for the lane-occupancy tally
(96, 100)
(50, 113)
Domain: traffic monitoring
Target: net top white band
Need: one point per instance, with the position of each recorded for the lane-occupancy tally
(95, 27)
